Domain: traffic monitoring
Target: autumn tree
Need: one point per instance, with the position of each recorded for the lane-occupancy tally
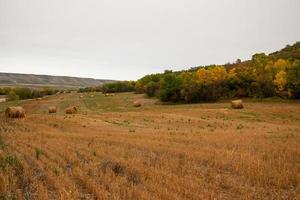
(280, 81)
(281, 65)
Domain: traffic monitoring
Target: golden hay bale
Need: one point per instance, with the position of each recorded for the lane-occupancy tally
(109, 94)
(237, 104)
(52, 109)
(71, 110)
(137, 104)
(15, 112)
(38, 99)
(81, 96)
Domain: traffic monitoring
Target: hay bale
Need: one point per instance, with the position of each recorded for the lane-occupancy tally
(38, 99)
(52, 109)
(137, 104)
(71, 110)
(15, 112)
(109, 94)
(237, 104)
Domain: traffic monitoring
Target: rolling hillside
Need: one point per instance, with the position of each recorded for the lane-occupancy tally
(46, 80)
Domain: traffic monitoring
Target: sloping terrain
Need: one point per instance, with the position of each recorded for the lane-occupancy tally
(111, 150)
(46, 80)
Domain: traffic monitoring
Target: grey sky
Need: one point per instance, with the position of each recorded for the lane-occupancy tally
(126, 39)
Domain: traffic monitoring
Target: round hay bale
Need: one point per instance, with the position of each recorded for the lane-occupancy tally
(71, 110)
(237, 104)
(52, 109)
(137, 104)
(109, 94)
(15, 112)
(38, 99)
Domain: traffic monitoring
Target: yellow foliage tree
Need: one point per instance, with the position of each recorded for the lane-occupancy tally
(219, 73)
(232, 73)
(280, 80)
(281, 65)
(212, 75)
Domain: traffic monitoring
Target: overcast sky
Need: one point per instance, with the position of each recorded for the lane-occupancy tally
(127, 39)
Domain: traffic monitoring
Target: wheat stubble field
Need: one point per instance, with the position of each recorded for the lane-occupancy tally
(111, 150)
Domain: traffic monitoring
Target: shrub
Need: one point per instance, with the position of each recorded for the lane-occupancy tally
(12, 96)
(38, 153)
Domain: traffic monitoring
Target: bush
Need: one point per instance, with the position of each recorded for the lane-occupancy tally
(23, 93)
(12, 96)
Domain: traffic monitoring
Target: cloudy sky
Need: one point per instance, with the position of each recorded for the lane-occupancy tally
(126, 39)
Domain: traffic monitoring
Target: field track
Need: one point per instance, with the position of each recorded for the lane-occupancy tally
(112, 150)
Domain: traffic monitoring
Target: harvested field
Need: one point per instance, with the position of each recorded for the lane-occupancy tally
(112, 150)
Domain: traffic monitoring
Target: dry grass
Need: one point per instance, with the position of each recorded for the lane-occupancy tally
(116, 151)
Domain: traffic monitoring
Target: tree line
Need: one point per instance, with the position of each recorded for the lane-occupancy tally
(261, 77)
(118, 86)
(276, 74)
(20, 93)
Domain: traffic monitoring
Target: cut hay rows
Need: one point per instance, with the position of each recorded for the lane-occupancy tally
(202, 151)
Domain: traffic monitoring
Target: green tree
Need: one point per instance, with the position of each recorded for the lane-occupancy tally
(152, 88)
(293, 80)
(170, 87)
(260, 60)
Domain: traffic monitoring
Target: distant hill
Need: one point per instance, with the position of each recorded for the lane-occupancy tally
(14, 79)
